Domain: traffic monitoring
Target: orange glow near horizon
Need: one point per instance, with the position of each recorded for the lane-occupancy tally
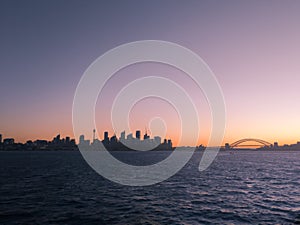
(24, 136)
(47, 130)
(56, 119)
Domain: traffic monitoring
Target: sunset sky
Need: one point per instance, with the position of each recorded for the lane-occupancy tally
(253, 48)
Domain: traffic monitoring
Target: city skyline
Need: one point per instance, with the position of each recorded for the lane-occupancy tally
(130, 140)
(252, 48)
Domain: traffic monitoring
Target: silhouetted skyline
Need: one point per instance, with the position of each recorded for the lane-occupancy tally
(130, 142)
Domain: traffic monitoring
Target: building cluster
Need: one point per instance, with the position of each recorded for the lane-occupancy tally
(7, 141)
(57, 143)
(128, 142)
(287, 147)
(124, 142)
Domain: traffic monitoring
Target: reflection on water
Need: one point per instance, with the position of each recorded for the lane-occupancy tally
(59, 188)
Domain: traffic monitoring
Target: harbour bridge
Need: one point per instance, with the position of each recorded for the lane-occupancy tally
(243, 143)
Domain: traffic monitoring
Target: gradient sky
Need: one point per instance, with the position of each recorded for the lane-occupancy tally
(252, 47)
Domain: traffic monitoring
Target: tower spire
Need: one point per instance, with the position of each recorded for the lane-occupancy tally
(94, 135)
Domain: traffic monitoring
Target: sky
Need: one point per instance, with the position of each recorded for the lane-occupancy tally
(252, 47)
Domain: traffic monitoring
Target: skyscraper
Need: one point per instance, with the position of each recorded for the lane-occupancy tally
(67, 140)
(170, 143)
(56, 140)
(106, 138)
(0, 138)
(81, 139)
(122, 136)
(138, 134)
(146, 136)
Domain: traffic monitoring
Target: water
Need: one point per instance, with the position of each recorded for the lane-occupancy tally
(240, 188)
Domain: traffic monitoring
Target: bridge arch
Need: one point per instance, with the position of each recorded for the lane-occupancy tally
(239, 142)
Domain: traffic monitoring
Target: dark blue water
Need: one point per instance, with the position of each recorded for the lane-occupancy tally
(240, 188)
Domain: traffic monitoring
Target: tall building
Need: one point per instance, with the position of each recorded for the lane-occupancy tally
(94, 135)
(170, 143)
(105, 141)
(0, 138)
(81, 139)
(138, 134)
(56, 140)
(106, 138)
(122, 137)
(68, 140)
(113, 139)
(146, 136)
(129, 136)
(227, 146)
(157, 139)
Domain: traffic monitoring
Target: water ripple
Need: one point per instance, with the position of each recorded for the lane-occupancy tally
(241, 188)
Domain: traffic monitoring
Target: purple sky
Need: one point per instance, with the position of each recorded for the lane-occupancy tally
(252, 47)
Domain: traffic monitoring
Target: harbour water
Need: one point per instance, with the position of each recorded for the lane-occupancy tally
(244, 187)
